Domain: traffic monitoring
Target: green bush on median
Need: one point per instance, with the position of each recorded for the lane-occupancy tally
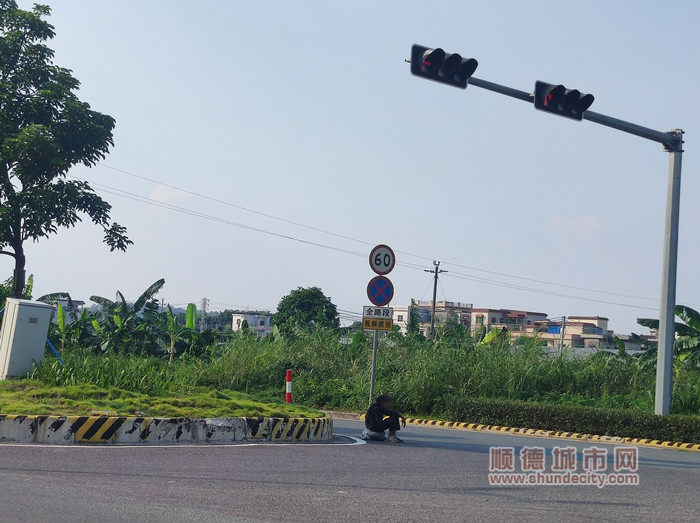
(568, 418)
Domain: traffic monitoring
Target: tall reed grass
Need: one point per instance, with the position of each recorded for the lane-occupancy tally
(423, 376)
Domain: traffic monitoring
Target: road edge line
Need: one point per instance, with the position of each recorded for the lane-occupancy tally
(522, 431)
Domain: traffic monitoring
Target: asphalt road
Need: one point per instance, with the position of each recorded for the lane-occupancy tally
(437, 475)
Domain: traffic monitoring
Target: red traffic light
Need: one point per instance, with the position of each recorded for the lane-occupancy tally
(552, 95)
(436, 65)
(557, 99)
(432, 60)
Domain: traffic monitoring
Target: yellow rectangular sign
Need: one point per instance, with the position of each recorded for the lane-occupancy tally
(376, 324)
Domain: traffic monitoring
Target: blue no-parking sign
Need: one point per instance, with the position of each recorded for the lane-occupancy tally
(380, 291)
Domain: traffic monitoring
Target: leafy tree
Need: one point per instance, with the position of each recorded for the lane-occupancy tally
(413, 327)
(44, 131)
(305, 310)
(355, 326)
(687, 344)
(220, 320)
(6, 289)
(123, 327)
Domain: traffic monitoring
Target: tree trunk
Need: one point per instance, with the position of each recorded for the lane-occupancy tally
(19, 276)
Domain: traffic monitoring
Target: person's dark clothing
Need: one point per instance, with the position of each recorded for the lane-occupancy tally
(374, 419)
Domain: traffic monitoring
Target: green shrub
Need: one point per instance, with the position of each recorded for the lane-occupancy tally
(570, 418)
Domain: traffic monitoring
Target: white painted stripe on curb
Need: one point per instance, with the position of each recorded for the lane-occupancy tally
(355, 442)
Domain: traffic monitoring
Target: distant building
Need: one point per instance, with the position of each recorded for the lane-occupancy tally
(520, 322)
(577, 332)
(259, 323)
(446, 312)
(401, 317)
(78, 305)
(640, 342)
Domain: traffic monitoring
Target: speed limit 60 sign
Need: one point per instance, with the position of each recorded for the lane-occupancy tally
(382, 259)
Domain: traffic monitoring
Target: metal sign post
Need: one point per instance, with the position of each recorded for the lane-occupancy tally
(375, 344)
(380, 291)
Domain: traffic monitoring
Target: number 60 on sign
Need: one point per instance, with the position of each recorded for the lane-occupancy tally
(382, 259)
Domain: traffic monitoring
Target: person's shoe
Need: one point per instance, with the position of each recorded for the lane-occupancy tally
(372, 436)
(394, 439)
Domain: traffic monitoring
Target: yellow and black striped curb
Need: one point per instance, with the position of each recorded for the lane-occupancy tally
(552, 434)
(134, 430)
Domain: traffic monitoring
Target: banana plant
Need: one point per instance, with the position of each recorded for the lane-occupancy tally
(70, 329)
(52, 299)
(177, 332)
(128, 328)
(687, 344)
(489, 338)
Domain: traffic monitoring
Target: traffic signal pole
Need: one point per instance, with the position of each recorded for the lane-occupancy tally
(673, 144)
(672, 140)
(667, 330)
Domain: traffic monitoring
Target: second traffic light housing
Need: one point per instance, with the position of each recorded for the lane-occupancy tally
(436, 65)
(557, 99)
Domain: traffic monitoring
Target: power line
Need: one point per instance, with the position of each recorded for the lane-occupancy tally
(534, 280)
(461, 276)
(345, 237)
(235, 206)
(150, 201)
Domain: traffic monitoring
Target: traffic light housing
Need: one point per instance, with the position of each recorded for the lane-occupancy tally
(557, 99)
(436, 65)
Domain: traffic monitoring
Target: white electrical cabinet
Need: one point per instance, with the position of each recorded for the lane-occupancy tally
(25, 325)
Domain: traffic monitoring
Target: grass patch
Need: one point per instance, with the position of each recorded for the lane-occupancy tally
(32, 397)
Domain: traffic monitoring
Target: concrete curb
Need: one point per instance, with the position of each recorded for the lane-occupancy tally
(343, 415)
(542, 433)
(144, 430)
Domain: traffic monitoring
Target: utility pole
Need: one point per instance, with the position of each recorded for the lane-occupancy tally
(434, 271)
(561, 340)
(203, 318)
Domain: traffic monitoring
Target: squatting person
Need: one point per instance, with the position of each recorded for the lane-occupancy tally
(381, 417)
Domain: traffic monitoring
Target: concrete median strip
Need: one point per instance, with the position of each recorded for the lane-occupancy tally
(536, 432)
(145, 430)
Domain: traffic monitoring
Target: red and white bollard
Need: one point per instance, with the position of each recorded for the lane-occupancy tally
(288, 395)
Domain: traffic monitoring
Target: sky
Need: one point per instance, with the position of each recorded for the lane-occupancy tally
(291, 137)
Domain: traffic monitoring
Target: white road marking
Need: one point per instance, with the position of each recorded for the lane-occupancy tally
(355, 441)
